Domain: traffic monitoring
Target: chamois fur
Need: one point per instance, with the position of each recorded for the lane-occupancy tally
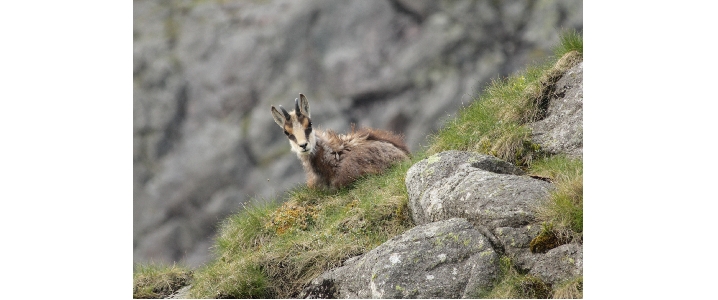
(332, 160)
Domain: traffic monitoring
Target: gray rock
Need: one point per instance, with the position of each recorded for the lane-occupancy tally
(182, 293)
(446, 259)
(559, 264)
(562, 129)
(515, 242)
(459, 184)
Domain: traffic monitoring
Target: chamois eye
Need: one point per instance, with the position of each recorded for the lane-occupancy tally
(310, 123)
(286, 133)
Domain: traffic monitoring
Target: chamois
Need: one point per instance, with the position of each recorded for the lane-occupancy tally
(333, 160)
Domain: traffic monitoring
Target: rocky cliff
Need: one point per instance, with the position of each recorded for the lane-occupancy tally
(206, 72)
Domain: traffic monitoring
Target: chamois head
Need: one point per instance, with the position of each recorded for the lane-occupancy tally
(297, 126)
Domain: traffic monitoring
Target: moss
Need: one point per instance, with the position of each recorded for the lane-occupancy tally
(434, 158)
(486, 253)
(291, 216)
(546, 240)
(534, 288)
(428, 172)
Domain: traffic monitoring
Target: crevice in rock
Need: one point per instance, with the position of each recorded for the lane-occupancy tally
(173, 131)
(546, 179)
(399, 7)
(368, 98)
(498, 167)
(548, 89)
(493, 241)
(247, 149)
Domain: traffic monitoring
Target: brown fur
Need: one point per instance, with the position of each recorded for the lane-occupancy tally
(341, 159)
(336, 160)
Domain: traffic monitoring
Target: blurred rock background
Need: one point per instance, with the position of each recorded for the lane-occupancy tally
(206, 73)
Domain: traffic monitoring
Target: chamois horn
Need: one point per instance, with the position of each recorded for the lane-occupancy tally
(284, 111)
(296, 106)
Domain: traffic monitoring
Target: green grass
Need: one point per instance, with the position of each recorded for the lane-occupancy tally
(570, 41)
(564, 210)
(271, 250)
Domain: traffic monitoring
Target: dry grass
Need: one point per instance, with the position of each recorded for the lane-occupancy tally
(571, 289)
(158, 281)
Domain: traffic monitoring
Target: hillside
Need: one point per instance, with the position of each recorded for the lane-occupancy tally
(492, 208)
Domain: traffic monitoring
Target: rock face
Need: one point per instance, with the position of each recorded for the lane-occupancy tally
(206, 72)
(562, 129)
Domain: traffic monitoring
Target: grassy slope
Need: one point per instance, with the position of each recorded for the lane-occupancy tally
(271, 250)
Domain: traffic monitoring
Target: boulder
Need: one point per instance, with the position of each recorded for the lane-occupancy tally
(445, 259)
(480, 188)
(559, 264)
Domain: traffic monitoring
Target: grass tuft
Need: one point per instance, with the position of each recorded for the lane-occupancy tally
(564, 209)
(245, 230)
(571, 289)
(571, 40)
(154, 281)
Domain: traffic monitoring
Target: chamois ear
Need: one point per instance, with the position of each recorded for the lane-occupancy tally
(279, 118)
(303, 105)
